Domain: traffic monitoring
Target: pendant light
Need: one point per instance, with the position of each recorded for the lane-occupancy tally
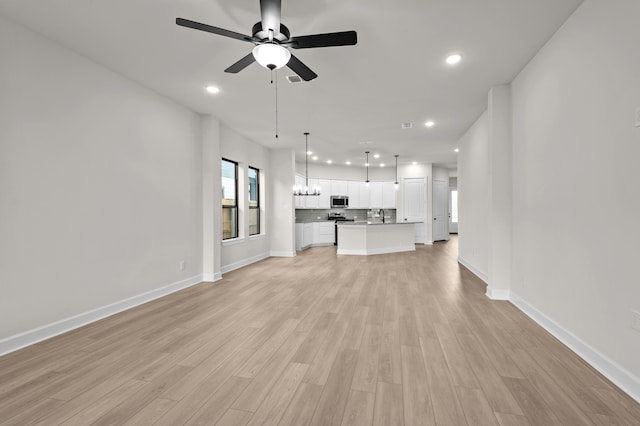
(367, 166)
(395, 184)
(297, 190)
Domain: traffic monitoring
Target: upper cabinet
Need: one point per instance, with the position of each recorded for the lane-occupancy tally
(312, 201)
(325, 196)
(365, 196)
(299, 201)
(376, 195)
(339, 187)
(382, 195)
(353, 191)
(388, 195)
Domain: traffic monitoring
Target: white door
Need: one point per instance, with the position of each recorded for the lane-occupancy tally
(414, 206)
(453, 210)
(440, 210)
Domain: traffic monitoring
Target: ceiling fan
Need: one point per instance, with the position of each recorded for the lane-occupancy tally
(272, 38)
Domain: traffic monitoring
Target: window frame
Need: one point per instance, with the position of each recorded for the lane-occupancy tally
(257, 200)
(236, 206)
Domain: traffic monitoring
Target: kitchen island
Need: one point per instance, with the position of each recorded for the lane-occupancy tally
(365, 238)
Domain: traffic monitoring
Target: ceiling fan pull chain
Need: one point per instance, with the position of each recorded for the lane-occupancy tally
(276, 71)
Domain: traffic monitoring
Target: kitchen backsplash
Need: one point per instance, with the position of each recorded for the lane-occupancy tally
(306, 215)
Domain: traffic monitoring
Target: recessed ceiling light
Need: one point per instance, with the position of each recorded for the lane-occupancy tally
(376, 156)
(329, 161)
(314, 158)
(414, 163)
(456, 150)
(348, 163)
(453, 59)
(381, 164)
(430, 123)
(212, 89)
(309, 152)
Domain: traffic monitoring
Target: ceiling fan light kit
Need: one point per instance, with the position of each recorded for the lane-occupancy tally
(271, 55)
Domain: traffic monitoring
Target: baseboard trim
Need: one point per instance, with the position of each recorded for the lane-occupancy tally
(22, 340)
(607, 367)
(366, 252)
(474, 270)
(244, 262)
(498, 294)
(216, 276)
(282, 254)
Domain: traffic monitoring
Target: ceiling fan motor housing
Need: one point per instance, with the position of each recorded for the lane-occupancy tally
(262, 35)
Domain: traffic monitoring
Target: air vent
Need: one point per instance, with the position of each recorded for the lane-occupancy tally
(407, 125)
(294, 79)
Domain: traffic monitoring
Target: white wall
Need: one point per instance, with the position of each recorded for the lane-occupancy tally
(473, 198)
(282, 212)
(100, 185)
(576, 175)
(500, 192)
(246, 153)
(325, 171)
(211, 211)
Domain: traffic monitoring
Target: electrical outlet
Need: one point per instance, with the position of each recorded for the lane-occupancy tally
(638, 117)
(182, 265)
(635, 321)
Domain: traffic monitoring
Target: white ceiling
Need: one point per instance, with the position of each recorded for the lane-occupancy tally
(395, 74)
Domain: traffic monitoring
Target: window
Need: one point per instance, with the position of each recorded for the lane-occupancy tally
(254, 201)
(229, 199)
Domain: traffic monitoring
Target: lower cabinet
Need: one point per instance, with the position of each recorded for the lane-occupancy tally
(307, 235)
(325, 233)
(314, 234)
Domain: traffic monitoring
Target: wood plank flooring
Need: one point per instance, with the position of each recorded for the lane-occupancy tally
(319, 339)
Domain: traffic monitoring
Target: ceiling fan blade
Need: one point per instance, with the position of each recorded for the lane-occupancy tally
(241, 64)
(301, 69)
(343, 38)
(270, 11)
(214, 30)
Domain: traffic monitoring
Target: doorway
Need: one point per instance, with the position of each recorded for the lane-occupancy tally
(440, 210)
(414, 206)
(453, 210)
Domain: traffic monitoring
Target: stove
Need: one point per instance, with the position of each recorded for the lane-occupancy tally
(338, 218)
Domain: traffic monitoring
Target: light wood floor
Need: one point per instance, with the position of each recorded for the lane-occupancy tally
(317, 339)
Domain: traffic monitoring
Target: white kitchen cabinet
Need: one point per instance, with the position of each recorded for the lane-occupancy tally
(353, 191)
(324, 233)
(311, 201)
(325, 194)
(365, 196)
(375, 191)
(314, 234)
(299, 236)
(307, 234)
(338, 187)
(299, 201)
(388, 195)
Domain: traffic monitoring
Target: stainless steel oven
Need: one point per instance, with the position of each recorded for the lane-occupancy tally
(339, 201)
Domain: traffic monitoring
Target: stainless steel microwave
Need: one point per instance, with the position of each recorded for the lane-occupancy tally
(339, 201)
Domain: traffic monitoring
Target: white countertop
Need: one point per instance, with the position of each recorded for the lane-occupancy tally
(376, 223)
